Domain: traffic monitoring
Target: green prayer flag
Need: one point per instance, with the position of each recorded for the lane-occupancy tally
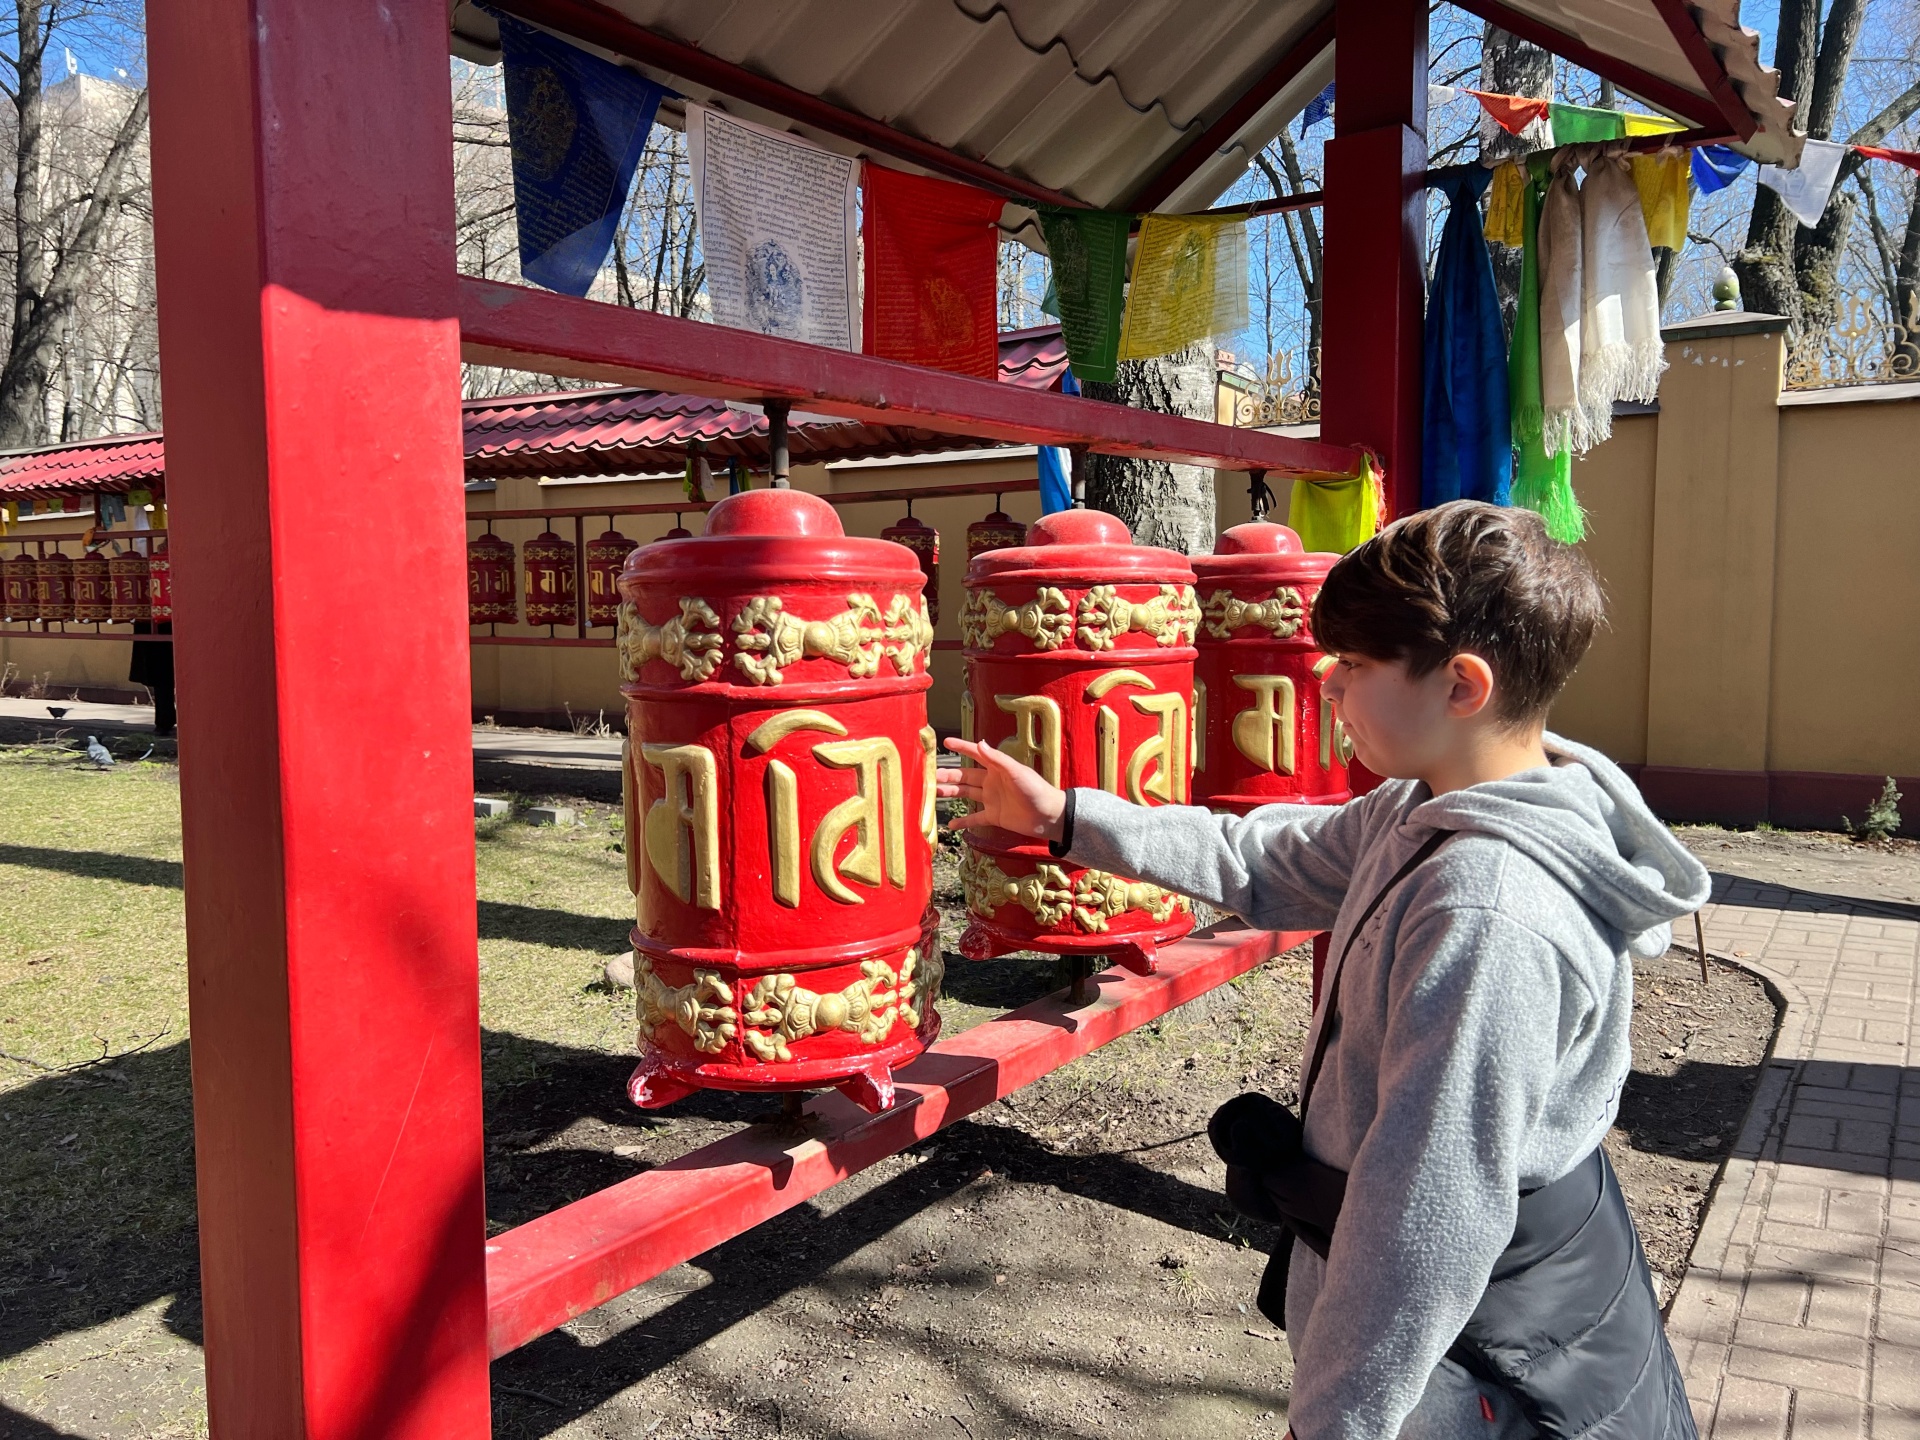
(1542, 483)
(1584, 124)
(1089, 251)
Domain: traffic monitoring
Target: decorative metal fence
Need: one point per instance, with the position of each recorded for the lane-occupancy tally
(1861, 347)
(1280, 397)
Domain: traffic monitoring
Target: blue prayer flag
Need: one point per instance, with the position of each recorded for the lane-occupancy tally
(1318, 109)
(1056, 465)
(577, 125)
(1715, 167)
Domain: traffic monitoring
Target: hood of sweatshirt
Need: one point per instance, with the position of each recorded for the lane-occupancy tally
(1583, 821)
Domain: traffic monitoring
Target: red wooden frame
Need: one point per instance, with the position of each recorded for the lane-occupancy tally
(1693, 44)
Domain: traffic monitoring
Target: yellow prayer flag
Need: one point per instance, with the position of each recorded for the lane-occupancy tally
(1666, 199)
(1189, 283)
(1650, 124)
(1507, 205)
(1333, 516)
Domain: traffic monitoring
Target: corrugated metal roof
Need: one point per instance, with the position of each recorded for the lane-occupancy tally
(1094, 97)
(574, 432)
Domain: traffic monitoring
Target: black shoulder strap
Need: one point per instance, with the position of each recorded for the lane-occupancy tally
(1332, 1008)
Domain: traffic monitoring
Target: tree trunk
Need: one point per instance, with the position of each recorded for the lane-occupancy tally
(1765, 264)
(1511, 66)
(1169, 505)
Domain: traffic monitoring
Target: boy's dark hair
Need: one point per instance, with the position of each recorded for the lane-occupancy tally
(1467, 577)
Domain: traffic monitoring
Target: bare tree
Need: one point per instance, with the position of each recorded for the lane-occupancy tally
(1303, 242)
(1163, 504)
(1511, 66)
(73, 182)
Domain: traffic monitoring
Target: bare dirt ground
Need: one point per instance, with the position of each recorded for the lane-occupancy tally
(1061, 1264)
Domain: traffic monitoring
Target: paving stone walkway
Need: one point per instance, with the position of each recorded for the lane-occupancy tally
(1800, 1313)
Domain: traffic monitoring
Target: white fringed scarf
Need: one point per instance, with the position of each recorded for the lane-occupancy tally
(1599, 301)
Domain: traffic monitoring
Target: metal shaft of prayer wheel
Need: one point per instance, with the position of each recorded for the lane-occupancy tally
(777, 411)
(22, 596)
(605, 558)
(53, 586)
(132, 586)
(924, 541)
(160, 584)
(491, 597)
(547, 562)
(780, 821)
(1079, 653)
(1265, 730)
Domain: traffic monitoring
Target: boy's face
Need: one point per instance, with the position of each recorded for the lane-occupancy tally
(1403, 728)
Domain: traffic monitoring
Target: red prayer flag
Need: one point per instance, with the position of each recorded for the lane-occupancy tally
(1908, 158)
(930, 267)
(1512, 113)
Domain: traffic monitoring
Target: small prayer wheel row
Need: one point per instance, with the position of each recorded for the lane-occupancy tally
(95, 588)
(552, 586)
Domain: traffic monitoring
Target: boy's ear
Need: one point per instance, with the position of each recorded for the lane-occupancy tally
(1471, 689)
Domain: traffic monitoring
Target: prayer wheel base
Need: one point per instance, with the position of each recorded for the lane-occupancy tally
(661, 1079)
(983, 941)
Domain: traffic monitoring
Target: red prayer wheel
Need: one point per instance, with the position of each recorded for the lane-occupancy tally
(491, 599)
(160, 584)
(995, 531)
(130, 586)
(924, 541)
(605, 559)
(1079, 648)
(92, 588)
(551, 597)
(22, 597)
(779, 784)
(53, 586)
(1266, 732)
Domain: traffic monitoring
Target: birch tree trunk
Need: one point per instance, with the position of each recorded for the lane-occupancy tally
(1511, 66)
(1167, 505)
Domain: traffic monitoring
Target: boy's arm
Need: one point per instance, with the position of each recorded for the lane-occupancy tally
(1282, 867)
(1471, 1047)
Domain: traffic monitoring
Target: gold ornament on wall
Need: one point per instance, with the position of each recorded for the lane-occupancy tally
(690, 641)
(1281, 615)
(1171, 617)
(1046, 620)
(768, 639)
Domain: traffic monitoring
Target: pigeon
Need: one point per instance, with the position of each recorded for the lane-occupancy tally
(101, 757)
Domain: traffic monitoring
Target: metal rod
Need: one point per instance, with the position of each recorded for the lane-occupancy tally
(1700, 944)
(580, 573)
(777, 443)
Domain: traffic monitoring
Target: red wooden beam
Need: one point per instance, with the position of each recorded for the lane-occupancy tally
(1674, 99)
(1706, 64)
(519, 327)
(304, 250)
(1197, 151)
(613, 31)
(542, 1274)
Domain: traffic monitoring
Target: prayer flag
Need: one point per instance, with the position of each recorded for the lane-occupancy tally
(1512, 113)
(1331, 517)
(1908, 158)
(1650, 124)
(1665, 200)
(1319, 108)
(1807, 189)
(776, 229)
(1056, 464)
(113, 510)
(932, 248)
(1506, 205)
(1715, 167)
(1088, 288)
(1189, 283)
(577, 125)
(1584, 124)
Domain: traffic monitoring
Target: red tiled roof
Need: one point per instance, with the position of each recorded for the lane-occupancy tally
(574, 432)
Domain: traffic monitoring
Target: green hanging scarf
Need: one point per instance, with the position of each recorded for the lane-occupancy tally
(1089, 253)
(1542, 483)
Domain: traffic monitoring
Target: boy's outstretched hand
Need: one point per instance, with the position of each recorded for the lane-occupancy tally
(1007, 795)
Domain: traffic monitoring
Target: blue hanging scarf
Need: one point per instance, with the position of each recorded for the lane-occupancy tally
(1467, 446)
(1056, 465)
(577, 125)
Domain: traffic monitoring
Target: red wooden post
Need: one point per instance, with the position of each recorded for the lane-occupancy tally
(1376, 211)
(303, 199)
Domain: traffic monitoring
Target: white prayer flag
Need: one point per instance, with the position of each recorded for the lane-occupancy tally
(776, 221)
(1807, 189)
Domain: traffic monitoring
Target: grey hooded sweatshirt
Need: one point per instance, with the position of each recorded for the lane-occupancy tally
(1480, 1048)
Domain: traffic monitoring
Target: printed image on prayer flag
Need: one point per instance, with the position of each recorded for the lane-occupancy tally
(577, 125)
(931, 277)
(1088, 249)
(776, 217)
(1189, 283)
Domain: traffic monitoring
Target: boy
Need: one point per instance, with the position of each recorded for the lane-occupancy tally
(1472, 1037)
